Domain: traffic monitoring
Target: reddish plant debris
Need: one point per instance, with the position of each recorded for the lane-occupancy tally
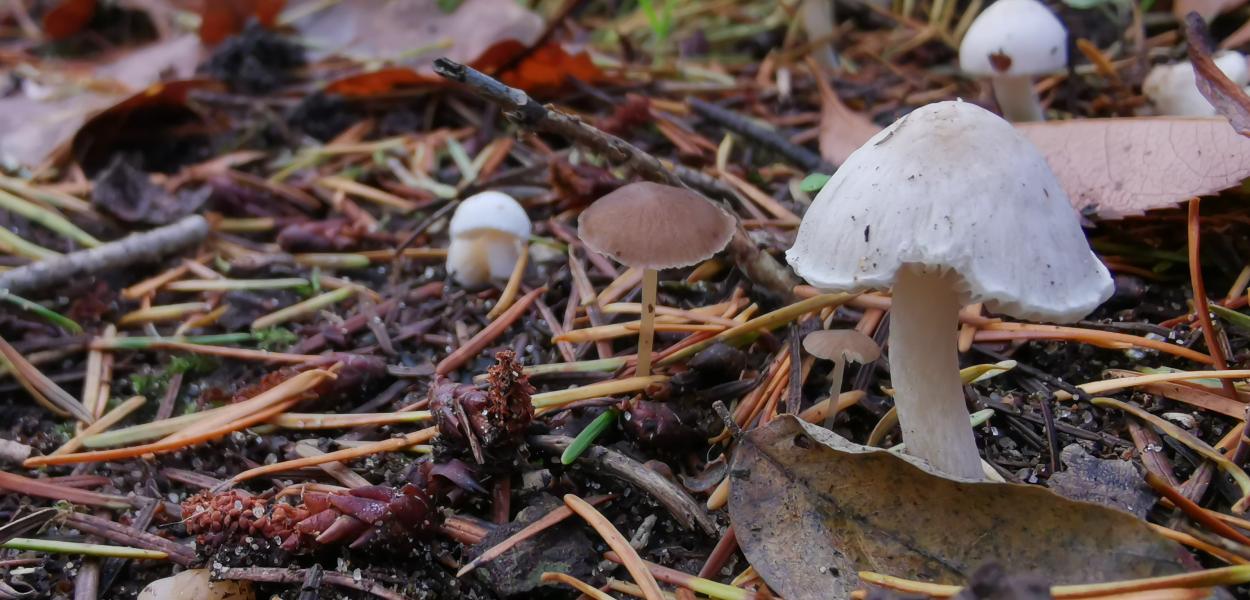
(220, 19)
(234, 513)
(633, 113)
(486, 422)
(330, 235)
(67, 18)
(356, 517)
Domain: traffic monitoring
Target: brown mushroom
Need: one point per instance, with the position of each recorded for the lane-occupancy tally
(840, 346)
(652, 227)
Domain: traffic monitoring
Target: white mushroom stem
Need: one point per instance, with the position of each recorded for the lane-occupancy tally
(817, 17)
(839, 370)
(646, 329)
(924, 368)
(1017, 99)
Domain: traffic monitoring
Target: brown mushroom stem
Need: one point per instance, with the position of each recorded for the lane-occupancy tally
(924, 368)
(839, 370)
(646, 329)
(1017, 99)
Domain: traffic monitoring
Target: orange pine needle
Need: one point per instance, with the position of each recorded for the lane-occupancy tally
(1201, 301)
(160, 447)
(391, 445)
(557, 515)
(488, 333)
(1106, 339)
(629, 557)
(577, 584)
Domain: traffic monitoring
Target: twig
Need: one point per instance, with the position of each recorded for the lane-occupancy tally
(136, 248)
(18, 484)
(684, 509)
(390, 445)
(280, 575)
(805, 159)
(524, 111)
(121, 534)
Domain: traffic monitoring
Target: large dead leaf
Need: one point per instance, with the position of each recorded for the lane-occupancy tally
(842, 130)
(1126, 166)
(811, 509)
(499, 37)
(542, 69)
(173, 58)
(416, 32)
(49, 111)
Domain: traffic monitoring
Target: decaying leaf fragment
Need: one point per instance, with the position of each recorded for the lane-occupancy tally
(811, 510)
(1126, 166)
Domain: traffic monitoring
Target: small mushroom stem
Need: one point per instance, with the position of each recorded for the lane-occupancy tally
(1017, 99)
(835, 389)
(924, 368)
(646, 329)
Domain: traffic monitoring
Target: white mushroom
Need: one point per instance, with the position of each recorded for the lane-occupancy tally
(487, 232)
(1173, 90)
(1011, 42)
(194, 584)
(951, 206)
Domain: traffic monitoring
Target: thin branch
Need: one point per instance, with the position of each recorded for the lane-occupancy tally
(760, 267)
(136, 248)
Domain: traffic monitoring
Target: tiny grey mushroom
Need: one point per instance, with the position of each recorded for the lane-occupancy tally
(837, 344)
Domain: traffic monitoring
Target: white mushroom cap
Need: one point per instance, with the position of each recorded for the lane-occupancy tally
(1014, 38)
(495, 211)
(487, 232)
(953, 187)
(1173, 90)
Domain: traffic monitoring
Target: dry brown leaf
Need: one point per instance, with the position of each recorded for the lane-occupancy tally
(49, 112)
(1126, 166)
(842, 130)
(173, 58)
(31, 128)
(811, 509)
(397, 32)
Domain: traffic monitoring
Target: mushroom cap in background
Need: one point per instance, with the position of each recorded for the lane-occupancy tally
(1014, 38)
(1173, 89)
(654, 226)
(194, 584)
(838, 344)
(951, 186)
(490, 211)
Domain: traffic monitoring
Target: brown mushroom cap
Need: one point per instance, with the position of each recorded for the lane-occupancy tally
(653, 226)
(834, 344)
